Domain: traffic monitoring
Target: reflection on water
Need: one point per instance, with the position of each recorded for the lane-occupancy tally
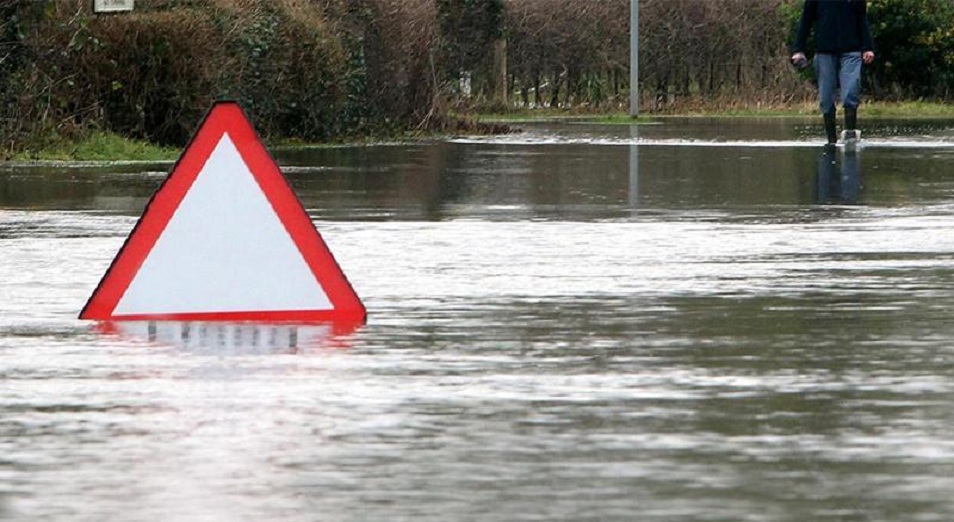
(838, 179)
(560, 171)
(578, 323)
(221, 338)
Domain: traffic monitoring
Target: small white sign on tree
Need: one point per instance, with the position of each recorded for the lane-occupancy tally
(112, 6)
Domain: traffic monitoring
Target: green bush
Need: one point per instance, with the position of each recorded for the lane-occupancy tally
(915, 47)
(301, 69)
(468, 29)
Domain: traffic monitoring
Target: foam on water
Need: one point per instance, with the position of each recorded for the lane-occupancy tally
(529, 140)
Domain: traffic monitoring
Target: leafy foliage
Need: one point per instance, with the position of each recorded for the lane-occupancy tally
(468, 29)
(300, 68)
(915, 44)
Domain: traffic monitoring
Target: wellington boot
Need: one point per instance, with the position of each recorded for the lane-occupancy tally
(830, 132)
(851, 119)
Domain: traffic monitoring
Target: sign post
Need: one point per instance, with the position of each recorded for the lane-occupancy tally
(634, 58)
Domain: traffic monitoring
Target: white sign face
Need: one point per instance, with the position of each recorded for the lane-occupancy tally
(224, 250)
(112, 6)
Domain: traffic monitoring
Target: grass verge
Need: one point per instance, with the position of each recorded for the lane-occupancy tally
(898, 110)
(97, 146)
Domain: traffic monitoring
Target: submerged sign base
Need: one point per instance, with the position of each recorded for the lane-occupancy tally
(224, 238)
(224, 338)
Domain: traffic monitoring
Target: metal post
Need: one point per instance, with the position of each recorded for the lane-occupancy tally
(634, 58)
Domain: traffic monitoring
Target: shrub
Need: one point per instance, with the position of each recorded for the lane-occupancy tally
(915, 47)
(312, 70)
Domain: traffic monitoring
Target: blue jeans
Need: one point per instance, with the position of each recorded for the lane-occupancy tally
(834, 71)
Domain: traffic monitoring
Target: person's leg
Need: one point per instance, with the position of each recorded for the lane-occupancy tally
(849, 78)
(826, 70)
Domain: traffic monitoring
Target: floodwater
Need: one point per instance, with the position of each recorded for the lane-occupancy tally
(700, 320)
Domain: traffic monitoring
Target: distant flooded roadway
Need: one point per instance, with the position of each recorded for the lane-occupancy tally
(697, 320)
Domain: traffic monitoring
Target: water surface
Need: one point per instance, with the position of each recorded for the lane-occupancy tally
(697, 320)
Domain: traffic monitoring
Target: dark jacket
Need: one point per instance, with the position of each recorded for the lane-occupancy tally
(841, 26)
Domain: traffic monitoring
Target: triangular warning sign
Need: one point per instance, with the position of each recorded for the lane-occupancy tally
(225, 239)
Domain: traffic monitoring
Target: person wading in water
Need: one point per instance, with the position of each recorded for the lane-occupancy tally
(842, 43)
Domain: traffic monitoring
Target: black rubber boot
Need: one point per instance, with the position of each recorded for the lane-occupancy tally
(851, 119)
(851, 135)
(830, 131)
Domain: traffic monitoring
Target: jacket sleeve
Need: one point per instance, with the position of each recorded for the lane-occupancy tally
(867, 42)
(809, 14)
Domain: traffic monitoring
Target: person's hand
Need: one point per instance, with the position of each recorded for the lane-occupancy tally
(799, 60)
(867, 57)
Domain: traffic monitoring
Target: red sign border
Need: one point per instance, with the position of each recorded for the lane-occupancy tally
(226, 117)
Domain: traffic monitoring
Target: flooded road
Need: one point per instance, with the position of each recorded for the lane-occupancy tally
(700, 320)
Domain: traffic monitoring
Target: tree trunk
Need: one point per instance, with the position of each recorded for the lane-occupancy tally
(499, 73)
(536, 90)
(555, 90)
